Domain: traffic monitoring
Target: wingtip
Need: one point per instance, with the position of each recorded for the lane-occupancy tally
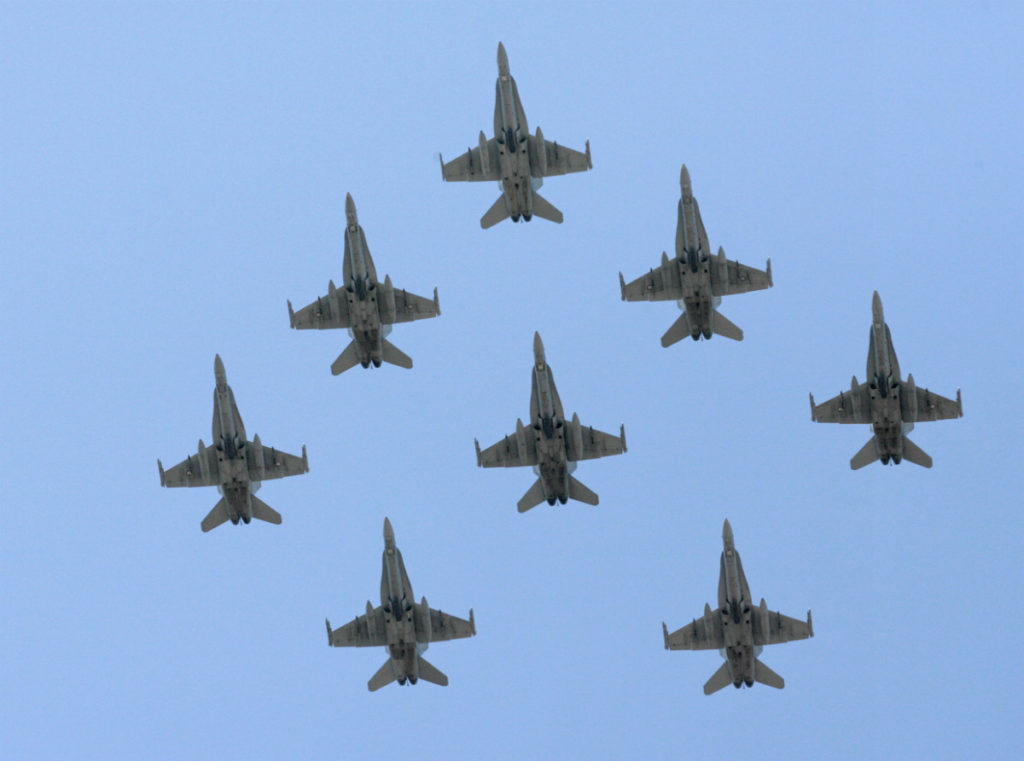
(476, 444)
(437, 304)
(160, 467)
(590, 164)
(305, 459)
(959, 403)
(622, 436)
(810, 624)
(622, 287)
(328, 622)
(472, 621)
(811, 396)
(771, 283)
(664, 633)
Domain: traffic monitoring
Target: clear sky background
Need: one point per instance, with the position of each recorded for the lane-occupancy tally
(171, 174)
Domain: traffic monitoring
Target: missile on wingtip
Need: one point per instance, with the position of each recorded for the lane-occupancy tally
(538, 350)
(876, 310)
(350, 211)
(502, 61)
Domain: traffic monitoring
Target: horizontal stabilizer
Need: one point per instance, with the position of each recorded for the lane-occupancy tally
(264, 512)
(495, 214)
(867, 455)
(216, 516)
(430, 673)
(543, 209)
(346, 360)
(385, 675)
(533, 497)
(394, 356)
(680, 329)
(581, 493)
(765, 675)
(913, 453)
(723, 327)
(721, 678)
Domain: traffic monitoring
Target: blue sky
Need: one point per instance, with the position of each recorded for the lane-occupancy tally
(172, 173)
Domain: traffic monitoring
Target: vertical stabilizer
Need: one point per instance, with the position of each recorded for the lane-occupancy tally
(765, 675)
(430, 673)
(542, 208)
(723, 327)
(347, 359)
(867, 454)
(216, 516)
(721, 678)
(680, 329)
(393, 355)
(385, 675)
(913, 453)
(264, 512)
(581, 493)
(533, 497)
(495, 214)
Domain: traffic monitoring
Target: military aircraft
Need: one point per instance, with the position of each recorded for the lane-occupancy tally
(695, 278)
(550, 444)
(737, 630)
(401, 625)
(517, 160)
(364, 306)
(885, 402)
(235, 465)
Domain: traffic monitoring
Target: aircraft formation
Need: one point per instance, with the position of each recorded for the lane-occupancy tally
(694, 278)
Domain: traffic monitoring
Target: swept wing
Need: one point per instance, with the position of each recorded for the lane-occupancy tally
(366, 630)
(471, 167)
(853, 406)
(779, 628)
(740, 279)
(276, 464)
(703, 633)
(512, 451)
(557, 158)
(595, 444)
(444, 626)
(929, 406)
(194, 470)
(660, 284)
(325, 313)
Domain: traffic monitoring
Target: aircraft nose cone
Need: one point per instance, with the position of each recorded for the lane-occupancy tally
(389, 533)
(538, 348)
(684, 179)
(350, 209)
(218, 368)
(727, 532)
(876, 309)
(502, 59)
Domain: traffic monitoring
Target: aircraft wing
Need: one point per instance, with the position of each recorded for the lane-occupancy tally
(780, 628)
(276, 464)
(704, 633)
(471, 167)
(409, 306)
(741, 278)
(852, 406)
(506, 453)
(444, 626)
(557, 159)
(366, 630)
(192, 471)
(929, 406)
(657, 285)
(595, 444)
(323, 314)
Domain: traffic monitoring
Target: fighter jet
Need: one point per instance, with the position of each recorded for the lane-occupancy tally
(550, 444)
(695, 278)
(364, 306)
(737, 630)
(235, 465)
(401, 625)
(517, 160)
(888, 404)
